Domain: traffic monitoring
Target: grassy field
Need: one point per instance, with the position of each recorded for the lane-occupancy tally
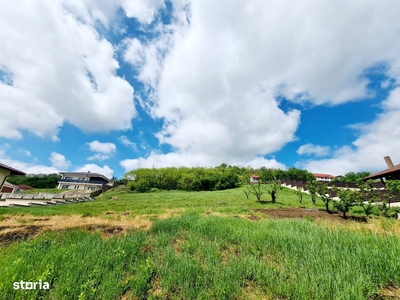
(226, 201)
(196, 245)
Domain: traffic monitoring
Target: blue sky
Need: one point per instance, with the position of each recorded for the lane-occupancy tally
(110, 86)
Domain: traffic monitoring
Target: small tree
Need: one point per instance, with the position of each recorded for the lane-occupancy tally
(257, 190)
(312, 188)
(347, 200)
(275, 185)
(367, 197)
(247, 191)
(393, 188)
(322, 190)
(299, 194)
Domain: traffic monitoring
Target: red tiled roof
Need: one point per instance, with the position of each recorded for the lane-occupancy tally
(323, 175)
(255, 176)
(389, 171)
(12, 170)
(25, 187)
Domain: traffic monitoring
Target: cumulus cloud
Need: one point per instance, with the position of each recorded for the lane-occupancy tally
(102, 151)
(316, 150)
(104, 148)
(59, 69)
(216, 72)
(126, 142)
(158, 160)
(144, 11)
(104, 170)
(377, 139)
(59, 161)
(27, 167)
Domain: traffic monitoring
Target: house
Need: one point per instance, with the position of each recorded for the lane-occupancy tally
(323, 177)
(82, 181)
(23, 187)
(8, 188)
(6, 171)
(254, 179)
(391, 173)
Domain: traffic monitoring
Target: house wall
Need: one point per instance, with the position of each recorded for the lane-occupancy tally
(79, 186)
(3, 175)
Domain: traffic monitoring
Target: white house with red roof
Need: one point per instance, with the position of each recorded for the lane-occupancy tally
(323, 177)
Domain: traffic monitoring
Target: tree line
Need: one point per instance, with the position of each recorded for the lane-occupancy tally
(205, 179)
(49, 181)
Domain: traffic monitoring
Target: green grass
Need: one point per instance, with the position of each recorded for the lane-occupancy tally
(199, 256)
(226, 201)
(205, 257)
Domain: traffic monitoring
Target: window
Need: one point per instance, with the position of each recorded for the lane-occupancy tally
(76, 187)
(65, 187)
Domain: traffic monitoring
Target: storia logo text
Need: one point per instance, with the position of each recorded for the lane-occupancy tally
(28, 285)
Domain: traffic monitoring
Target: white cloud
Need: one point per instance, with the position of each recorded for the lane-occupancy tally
(60, 69)
(216, 77)
(98, 156)
(104, 170)
(126, 142)
(59, 161)
(158, 160)
(316, 150)
(24, 152)
(377, 139)
(104, 148)
(29, 168)
(143, 10)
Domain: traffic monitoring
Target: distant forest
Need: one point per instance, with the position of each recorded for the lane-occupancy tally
(217, 178)
(37, 181)
(205, 179)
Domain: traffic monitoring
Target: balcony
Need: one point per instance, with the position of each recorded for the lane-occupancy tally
(91, 181)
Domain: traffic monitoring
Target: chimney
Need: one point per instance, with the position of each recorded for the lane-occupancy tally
(389, 162)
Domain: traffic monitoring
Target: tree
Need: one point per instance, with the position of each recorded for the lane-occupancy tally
(367, 197)
(322, 190)
(257, 190)
(353, 177)
(312, 188)
(247, 191)
(393, 188)
(275, 185)
(347, 200)
(299, 194)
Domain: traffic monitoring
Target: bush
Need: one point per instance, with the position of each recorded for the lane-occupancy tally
(187, 179)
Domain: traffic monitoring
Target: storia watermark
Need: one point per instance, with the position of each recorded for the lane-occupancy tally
(29, 285)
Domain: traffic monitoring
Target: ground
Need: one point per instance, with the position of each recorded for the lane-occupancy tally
(308, 212)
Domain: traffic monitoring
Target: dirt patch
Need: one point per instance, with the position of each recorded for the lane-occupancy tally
(390, 292)
(280, 213)
(14, 228)
(105, 229)
(17, 233)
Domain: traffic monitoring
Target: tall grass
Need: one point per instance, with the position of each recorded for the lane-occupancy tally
(205, 257)
(226, 201)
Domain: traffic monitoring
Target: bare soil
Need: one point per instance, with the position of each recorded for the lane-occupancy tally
(283, 213)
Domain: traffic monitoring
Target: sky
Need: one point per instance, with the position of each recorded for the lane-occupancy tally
(110, 86)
